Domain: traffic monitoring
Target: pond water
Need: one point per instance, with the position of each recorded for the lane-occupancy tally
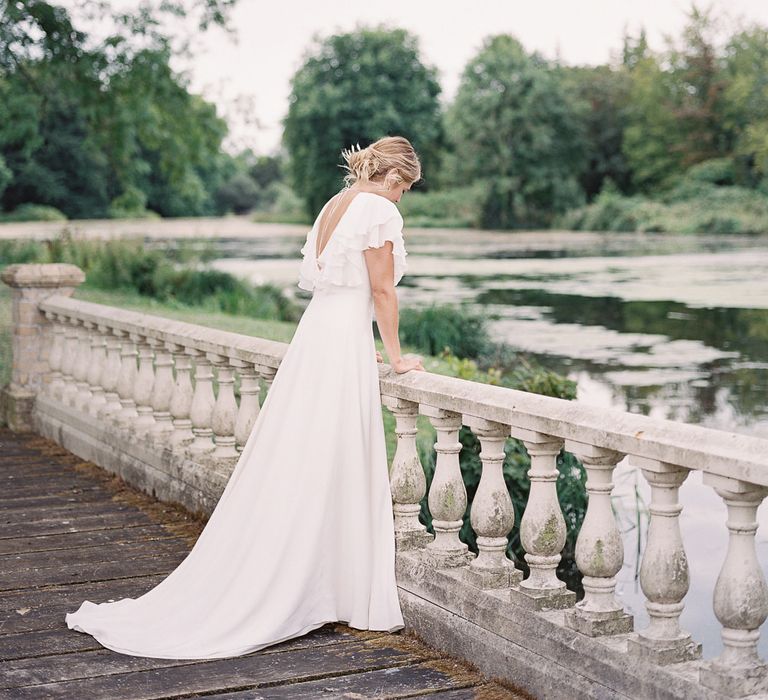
(668, 326)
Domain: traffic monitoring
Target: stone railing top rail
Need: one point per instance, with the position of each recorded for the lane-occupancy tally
(533, 417)
(236, 346)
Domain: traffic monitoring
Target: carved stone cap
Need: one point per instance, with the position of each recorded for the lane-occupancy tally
(36, 275)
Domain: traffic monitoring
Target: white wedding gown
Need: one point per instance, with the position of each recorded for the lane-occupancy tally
(303, 533)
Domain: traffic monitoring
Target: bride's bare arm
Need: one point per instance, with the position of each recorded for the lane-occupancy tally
(380, 263)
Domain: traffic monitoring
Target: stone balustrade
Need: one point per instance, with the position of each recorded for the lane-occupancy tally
(155, 400)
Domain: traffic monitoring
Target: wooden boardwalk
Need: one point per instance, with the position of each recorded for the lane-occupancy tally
(71, 531)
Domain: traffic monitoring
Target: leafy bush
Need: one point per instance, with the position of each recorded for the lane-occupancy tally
(716, 171)
(33, 212)
(240, 194)
(460, 207)
(436, 327)
(280, 204)
(693, 205)
(131, 204)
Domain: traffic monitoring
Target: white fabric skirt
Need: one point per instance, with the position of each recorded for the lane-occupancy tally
(303, 533)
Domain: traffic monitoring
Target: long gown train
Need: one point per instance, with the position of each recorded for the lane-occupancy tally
(303, 532)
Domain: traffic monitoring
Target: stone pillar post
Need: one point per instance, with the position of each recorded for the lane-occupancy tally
(32, 334)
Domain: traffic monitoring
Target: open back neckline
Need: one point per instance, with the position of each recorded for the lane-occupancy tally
(318, 255)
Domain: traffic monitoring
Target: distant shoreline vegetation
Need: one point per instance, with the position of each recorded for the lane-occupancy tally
(670, 139)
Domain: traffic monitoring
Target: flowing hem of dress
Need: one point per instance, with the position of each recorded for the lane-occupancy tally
(231, 653)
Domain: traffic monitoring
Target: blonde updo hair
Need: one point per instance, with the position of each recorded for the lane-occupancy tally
(388, 161)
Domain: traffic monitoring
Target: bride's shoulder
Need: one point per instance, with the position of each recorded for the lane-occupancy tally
(380, 205)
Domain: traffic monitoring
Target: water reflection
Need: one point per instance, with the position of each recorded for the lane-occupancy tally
(662, 358)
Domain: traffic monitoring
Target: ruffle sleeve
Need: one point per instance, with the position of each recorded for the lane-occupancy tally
(343, 264)
(307, 268)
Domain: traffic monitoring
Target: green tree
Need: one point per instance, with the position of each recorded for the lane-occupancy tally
(677, 106)
(699, 84)
(515, 125)
(606, 92)
(634, 49)
(355, 88)
(652, 132)
(87, 122)
(746, 101)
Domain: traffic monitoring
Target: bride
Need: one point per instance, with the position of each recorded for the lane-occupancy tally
(303, 533)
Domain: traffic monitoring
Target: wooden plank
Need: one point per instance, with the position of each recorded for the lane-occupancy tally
(99, 571)
(17, 497)
(104, 521)
(488, 691)
(35, 485)
(65, 510)
(51, 497)
(44, 642)
(27, 611)
(91, 538)
(384, 684)
(32, 469)
(96, 591)
(119, 551)
(57, 645)
(99, 661)
(225, 674)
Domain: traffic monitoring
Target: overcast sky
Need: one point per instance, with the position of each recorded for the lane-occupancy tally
(251, 72)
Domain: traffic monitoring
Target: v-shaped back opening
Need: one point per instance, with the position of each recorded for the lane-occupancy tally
(324, 217)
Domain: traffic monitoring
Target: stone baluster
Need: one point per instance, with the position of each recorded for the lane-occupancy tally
(162, 391)
(224, 409)
(407, 480)
(740, 597)
(109, 376)
(96, 369)
(542, 527)
(664, 570)
(249, 401)
(268, 375)
(599, 548)
(82, 395)
(447, 492)
(181, 398)
(56, 357)
(492, 515)
(126, 381)
(145, 380)
(202, 405)
(71, 341)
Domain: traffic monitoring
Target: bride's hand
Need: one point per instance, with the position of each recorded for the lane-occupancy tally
(405, 364)
(379, 358)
